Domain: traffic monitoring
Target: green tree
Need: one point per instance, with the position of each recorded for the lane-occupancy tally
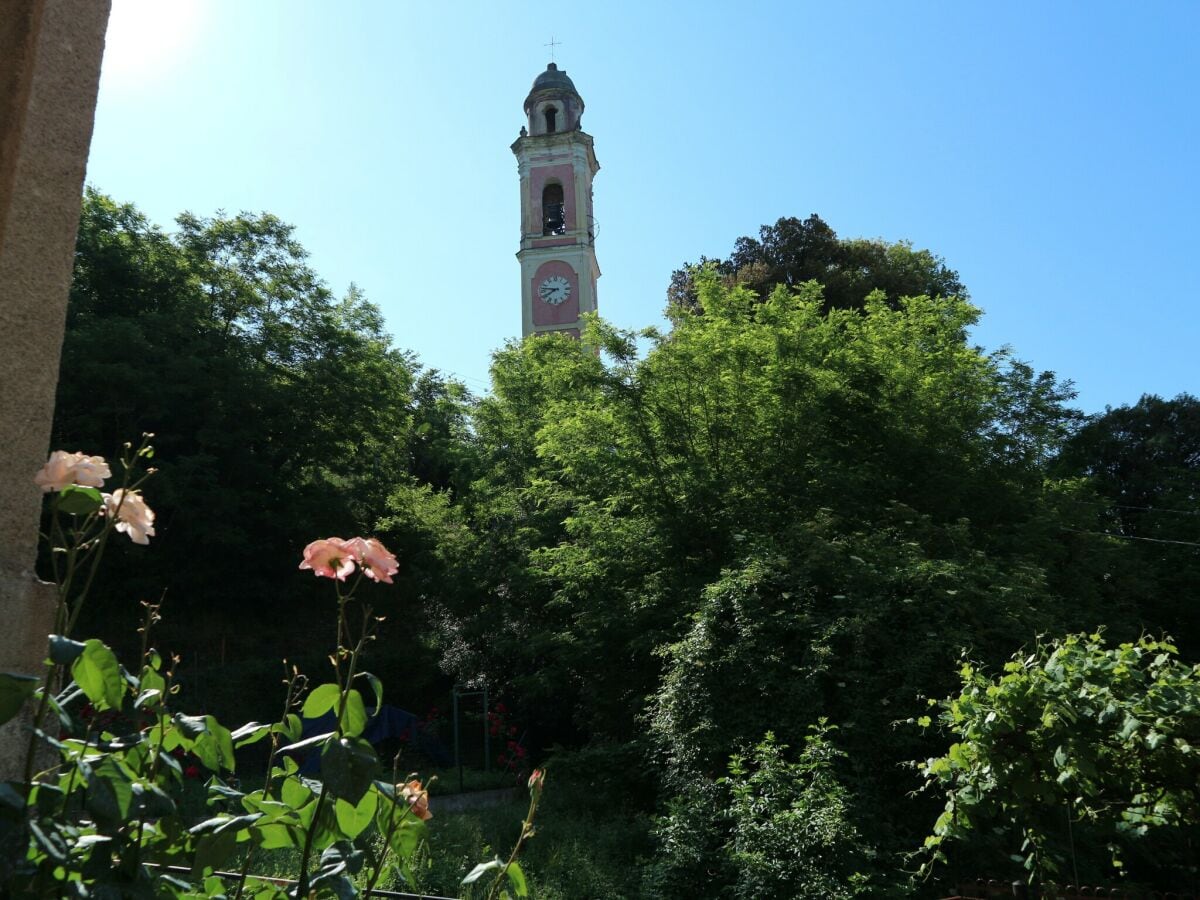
(777, 513)
(283, 414)
(1143, 462)
(793, 251)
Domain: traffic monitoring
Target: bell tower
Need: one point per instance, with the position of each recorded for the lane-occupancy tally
(556, 165)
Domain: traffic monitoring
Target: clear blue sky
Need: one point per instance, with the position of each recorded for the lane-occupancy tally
(1047, 150)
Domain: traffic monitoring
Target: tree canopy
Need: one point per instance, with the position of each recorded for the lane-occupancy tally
(793, 251)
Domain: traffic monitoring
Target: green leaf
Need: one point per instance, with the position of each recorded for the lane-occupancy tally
(98, 675)
(212, 851)
(348, 767)
(291, 727)
(405, 842)
(206, 749)
(191, 726)
(14, 691)
(294, 727)
(337, 864)
(307, 742)
(321, 700)
(353, 820)
(211, 742)
(277, 835)
(76, 500)
(272, 810)
(516, 878)
(49, 840)
(250, 733)
(63, 650)
(109, 793)
(151, 801)
(218, 824)
(295, 793)
(377, 687)
(151, 680)
(354, 720)
(224, 741)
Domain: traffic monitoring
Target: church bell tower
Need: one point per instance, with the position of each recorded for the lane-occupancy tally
(556, 164)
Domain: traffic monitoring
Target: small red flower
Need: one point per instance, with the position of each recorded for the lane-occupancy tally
(501, 708)
(192, 771)
(512, 731)
(502, 760)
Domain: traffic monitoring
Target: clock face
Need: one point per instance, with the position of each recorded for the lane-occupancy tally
(554, 290)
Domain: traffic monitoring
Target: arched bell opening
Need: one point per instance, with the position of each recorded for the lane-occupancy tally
(553, 210)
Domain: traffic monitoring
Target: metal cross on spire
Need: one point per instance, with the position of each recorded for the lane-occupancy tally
(553, 43)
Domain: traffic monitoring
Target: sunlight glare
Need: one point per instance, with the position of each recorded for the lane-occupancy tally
(148, 39)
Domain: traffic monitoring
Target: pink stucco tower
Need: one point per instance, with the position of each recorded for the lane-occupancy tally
(558, 232)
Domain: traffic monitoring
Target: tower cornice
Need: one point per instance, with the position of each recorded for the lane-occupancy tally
(529, 148)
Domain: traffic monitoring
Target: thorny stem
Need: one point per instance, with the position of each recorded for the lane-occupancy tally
(344, 686)
(97, 550)
(294, 681)
(158, 750)
(394, 822)
(87, 736)
(526, 831)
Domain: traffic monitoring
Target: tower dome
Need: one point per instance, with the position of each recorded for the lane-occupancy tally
(553, 104)
(555, 78)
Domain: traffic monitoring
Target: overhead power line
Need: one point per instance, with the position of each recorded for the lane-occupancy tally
(1162, 509)
(1132, 537)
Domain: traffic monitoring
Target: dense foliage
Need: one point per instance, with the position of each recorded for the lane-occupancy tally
(669, 553)
(1077, 747)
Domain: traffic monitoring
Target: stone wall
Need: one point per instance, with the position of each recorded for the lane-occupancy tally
(50, 53)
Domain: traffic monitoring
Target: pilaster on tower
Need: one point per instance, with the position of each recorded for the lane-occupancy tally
(556, 164)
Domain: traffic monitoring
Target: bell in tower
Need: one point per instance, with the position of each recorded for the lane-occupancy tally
(556, 164)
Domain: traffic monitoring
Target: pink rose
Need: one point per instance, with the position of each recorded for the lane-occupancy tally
(331, 557)
(64, 469)
(378, 564)
(134, 517)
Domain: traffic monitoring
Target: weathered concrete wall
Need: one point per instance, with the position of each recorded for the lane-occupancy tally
(50, 54)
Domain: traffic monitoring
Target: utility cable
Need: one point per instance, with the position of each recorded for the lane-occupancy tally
(1132, 537)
